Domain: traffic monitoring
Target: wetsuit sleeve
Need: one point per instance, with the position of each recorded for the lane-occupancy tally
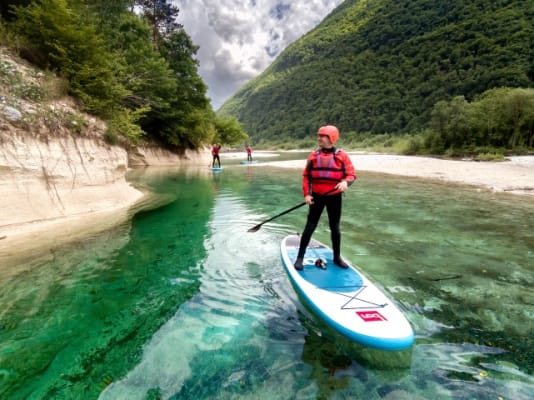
(350, 172)
(306, 178)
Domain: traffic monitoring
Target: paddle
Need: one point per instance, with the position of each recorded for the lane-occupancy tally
(256, 228)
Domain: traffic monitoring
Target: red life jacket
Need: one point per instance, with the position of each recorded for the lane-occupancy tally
(215, 150)
(325, 169)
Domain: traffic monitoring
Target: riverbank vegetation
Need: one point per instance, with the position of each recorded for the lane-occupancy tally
(499, 122)
(127, 62)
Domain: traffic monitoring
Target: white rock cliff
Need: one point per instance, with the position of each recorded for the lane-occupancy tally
(58, 176)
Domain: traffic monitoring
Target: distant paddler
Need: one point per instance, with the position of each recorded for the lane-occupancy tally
(215, 149)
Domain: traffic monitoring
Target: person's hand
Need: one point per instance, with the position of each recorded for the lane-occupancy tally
(342, 186)
(308, 199)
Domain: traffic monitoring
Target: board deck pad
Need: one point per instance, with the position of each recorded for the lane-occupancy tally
(333, 278)
(345, 299)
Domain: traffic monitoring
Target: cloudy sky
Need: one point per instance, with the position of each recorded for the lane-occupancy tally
(238, 39)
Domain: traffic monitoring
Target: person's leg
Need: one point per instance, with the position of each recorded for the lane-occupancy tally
(218, 161)
(333, 208)
(213, 162)
(314, 214)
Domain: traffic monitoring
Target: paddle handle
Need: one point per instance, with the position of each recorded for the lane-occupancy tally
(257, 227)
(282, 213)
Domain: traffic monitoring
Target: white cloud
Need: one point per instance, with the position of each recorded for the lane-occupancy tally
(238, 39)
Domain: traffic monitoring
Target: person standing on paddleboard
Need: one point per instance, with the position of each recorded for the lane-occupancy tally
(215, 153)
(249, 153)
(328, 173)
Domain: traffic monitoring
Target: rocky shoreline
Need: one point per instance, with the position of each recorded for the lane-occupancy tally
(66, 187)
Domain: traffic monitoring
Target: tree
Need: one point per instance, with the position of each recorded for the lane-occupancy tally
(60, 36)
(228, 131)
(519, 107)
(146, 73)
(161, 17)
(179, 51)
(500, 117)
(7, 6)
(189, 118)
(451, 121)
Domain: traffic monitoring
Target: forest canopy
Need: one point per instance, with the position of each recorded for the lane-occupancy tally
(126, 61)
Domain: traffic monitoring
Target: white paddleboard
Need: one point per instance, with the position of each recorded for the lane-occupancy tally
(345, 299)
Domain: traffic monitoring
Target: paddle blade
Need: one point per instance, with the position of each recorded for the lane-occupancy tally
(255, 228)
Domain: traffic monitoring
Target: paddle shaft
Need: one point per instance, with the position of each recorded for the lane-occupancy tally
(257, 227)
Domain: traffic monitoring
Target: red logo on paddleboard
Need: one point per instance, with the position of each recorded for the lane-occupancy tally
(371, 316)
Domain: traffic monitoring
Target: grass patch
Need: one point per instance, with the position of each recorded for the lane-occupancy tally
(489, 157)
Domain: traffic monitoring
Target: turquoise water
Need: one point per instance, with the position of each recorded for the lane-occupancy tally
(182, 302)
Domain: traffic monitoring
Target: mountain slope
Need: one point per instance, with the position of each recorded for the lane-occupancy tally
(380, 66)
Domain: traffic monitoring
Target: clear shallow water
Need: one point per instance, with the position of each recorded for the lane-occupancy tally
(183, 303)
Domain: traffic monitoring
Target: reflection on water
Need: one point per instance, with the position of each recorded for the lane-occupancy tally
(184, 303)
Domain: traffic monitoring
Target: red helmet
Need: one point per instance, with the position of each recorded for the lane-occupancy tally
(331, 131)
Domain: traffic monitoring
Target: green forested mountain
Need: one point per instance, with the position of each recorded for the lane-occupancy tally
(380, 66)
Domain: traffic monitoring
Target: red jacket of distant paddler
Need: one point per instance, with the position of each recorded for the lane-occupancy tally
(215, 149)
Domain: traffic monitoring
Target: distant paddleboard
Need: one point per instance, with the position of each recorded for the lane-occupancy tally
(216, 169)
(345, 299)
